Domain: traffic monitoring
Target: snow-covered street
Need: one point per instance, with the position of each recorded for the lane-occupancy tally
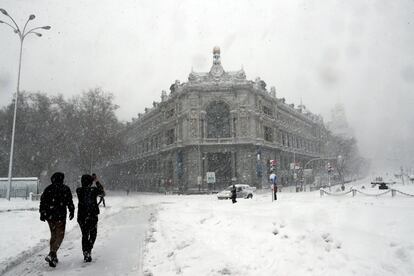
(154, 234)
(118, 248)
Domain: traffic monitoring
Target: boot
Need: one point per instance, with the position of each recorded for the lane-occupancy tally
(87, 257)
(52, 259)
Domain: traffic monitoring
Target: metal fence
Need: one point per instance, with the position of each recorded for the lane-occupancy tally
(20, 186)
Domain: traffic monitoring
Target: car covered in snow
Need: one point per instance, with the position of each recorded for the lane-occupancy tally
(242, 191)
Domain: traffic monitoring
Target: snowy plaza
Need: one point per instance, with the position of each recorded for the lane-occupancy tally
(206, 138)
(299, 234)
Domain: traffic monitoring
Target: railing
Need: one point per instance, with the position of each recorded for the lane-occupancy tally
(354, 192)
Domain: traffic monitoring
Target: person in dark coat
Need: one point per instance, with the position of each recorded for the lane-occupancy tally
(233, 194)
(274, 181)
(88, 211)
(53, 203)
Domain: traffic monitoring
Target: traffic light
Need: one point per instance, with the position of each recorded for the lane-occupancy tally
(329, 168)
(273, 164)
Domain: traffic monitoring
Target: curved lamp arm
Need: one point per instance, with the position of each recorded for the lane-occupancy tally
(14, 29)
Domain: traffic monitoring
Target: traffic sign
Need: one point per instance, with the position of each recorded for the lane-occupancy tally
(211, 177)
(307, 172)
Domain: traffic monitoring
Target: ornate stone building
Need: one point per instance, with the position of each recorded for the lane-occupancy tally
(218, 122)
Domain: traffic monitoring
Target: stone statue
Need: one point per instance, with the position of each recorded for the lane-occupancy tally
(216, 56)
(216, 70)
(260, 84)
(163, 96)
(174, 86)
(273, 92)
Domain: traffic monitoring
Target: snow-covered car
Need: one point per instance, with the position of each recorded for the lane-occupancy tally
(242, 191)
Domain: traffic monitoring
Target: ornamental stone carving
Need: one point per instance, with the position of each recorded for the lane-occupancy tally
(217, 73)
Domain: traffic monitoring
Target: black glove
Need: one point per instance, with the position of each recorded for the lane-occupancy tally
(71, 215)
(42, 218)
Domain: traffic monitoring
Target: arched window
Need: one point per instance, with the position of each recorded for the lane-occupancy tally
(218, 120)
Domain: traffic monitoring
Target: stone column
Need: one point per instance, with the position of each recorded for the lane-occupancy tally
(233, 118)
(203, 125)
(233, 164)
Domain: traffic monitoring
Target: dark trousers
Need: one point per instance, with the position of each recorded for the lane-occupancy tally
(233, 199)
(275, 194)
(57, 233)
(89, 228)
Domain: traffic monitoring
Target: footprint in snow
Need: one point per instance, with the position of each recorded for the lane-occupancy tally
(338, 245)
(281, 225)
(183, 245)
(225, 271)
(327, 237)
(150, 239)
(403, 254)
(329, 240)
(300, 238)
(393, 244)
(148, 273)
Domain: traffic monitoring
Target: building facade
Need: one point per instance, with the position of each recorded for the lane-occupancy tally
(218, 122)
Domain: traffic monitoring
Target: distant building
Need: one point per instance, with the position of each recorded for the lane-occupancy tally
(217, 122)
(339, 123)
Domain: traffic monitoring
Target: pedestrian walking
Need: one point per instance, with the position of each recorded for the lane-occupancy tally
(55, 199)
(88, 211)
(273, 180)
(275, 187)
(233, 194)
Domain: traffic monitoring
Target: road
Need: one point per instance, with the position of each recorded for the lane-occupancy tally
(118, 249)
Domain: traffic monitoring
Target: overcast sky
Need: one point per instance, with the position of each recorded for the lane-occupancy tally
(356, 52)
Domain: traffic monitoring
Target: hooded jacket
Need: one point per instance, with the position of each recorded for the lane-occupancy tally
(87, 196)
(55, 199)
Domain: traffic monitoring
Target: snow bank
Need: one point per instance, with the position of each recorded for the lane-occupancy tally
(300, 234)
(17, 204)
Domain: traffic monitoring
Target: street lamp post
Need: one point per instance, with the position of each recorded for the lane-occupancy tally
(199, 177)
(340, 163)
(22, 35)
